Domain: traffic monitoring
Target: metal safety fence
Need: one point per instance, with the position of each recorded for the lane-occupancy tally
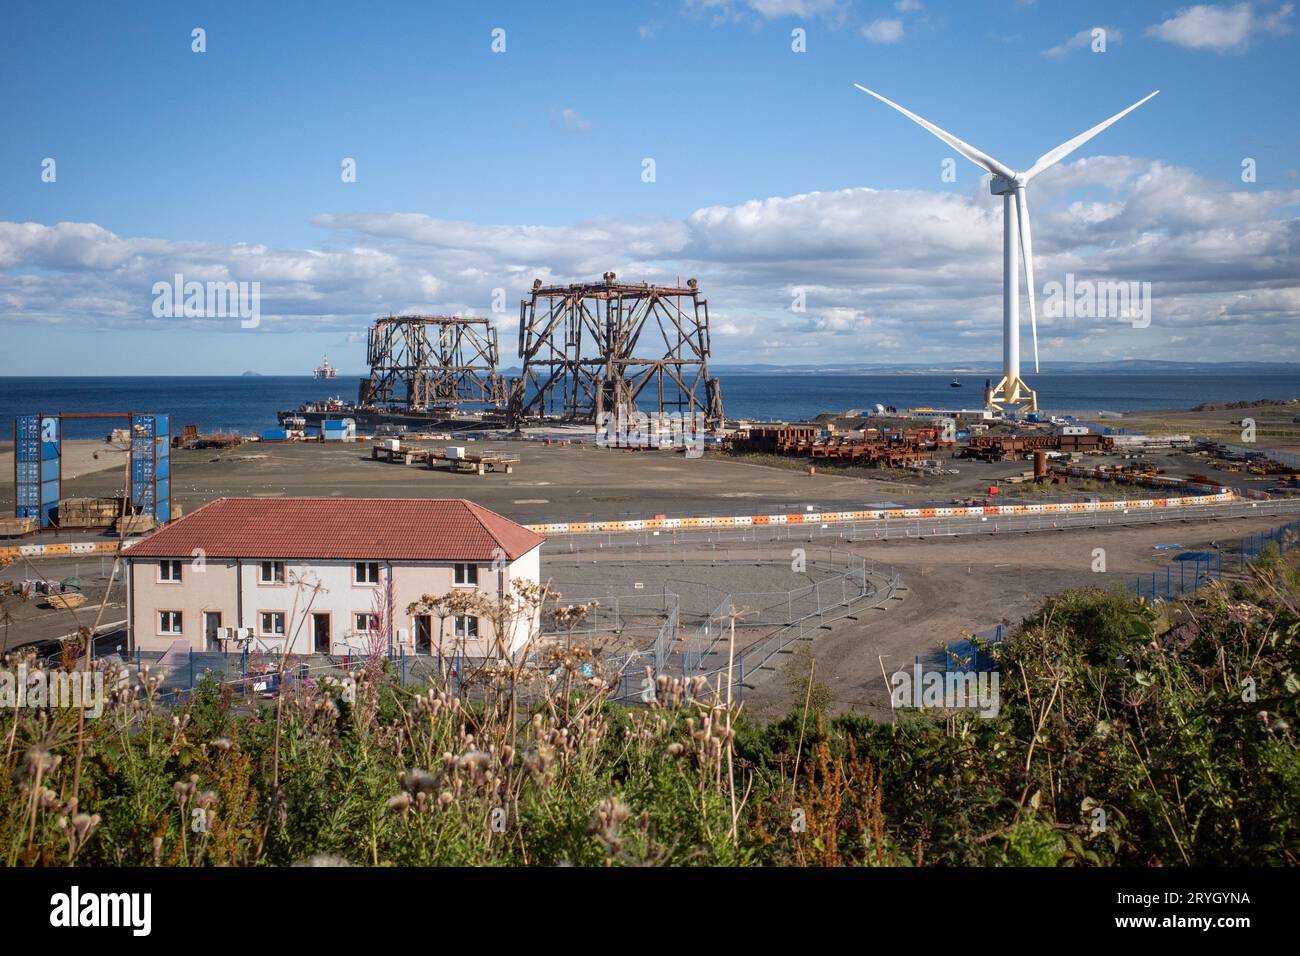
(633, 544)
(1192, 570)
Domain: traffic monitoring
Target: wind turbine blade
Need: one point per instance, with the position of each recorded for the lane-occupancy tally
(1065, 149)
(1027, 254)
(979, 158)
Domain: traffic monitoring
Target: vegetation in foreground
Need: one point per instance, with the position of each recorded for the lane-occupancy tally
(1128, 734)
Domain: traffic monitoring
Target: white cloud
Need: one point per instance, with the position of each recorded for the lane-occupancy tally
(1082, 39)
(572, 120)
(920, 270)
(775, 9)
(726, 11)
(907, 6)
(837, 320)
(1223, 29)
(883, 31)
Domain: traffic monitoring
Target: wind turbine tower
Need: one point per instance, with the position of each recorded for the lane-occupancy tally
(1017, 245)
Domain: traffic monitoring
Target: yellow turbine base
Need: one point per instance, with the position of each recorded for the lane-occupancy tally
(1011, 391)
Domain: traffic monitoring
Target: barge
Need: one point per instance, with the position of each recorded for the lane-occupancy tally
(375, 419)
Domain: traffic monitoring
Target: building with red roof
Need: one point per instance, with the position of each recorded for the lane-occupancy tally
(326, 575)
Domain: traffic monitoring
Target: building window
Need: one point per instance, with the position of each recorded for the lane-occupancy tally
(169, 571)
(466, 576)
(467, 627)
(270, 572)
(272, 623)
(366, 572)
(366, 623)
(169, 622)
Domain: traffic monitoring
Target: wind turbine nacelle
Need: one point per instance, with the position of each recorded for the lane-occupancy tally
(1000, 185)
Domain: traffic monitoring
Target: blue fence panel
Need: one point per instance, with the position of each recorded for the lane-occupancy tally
(151, 465)
(51, 459)
(143, 463)
(163, 467)
(27, 466)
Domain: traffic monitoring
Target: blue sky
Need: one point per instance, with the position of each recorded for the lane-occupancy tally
(530, 162)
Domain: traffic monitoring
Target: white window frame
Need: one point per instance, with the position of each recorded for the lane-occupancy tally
(261, 622)
(169, 571)
(365, 628)
(360, 580)
(262, 579)
(179, 620)
(461, 629)
(464, 575)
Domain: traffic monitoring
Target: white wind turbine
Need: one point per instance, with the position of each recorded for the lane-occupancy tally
(1008, 183)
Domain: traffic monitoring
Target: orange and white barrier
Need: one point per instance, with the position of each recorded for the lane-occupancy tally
(879, 514)
(63, 549)
(82, 548)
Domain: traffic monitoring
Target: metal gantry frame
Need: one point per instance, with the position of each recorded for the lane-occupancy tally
(589, 348)
(38, 464)
(432, 361)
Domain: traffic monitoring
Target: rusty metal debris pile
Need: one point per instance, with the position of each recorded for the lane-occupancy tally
(1007, 447)
(892, 448)
(776, 439)
(190, 437)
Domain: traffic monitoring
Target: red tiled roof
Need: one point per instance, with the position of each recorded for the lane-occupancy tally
(396, 529)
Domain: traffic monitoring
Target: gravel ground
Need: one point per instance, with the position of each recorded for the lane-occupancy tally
(953, 585)
(32, 620)
(579, 481)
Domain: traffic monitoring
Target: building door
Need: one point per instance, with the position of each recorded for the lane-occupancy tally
(424, 634)
(320, 633)
(211, 626)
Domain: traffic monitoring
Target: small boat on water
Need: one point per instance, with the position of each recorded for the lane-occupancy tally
(954, 384)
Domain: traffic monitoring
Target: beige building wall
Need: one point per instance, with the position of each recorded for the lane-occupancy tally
(412, 581)
(234, 590)
(204, 587)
